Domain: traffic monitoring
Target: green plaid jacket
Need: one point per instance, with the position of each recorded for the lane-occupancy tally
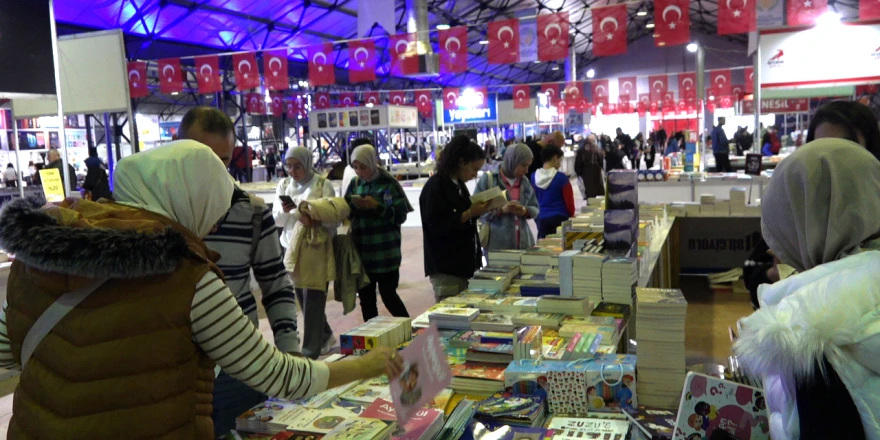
(376, 232)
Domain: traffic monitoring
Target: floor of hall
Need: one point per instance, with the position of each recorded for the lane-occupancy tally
(709, 315)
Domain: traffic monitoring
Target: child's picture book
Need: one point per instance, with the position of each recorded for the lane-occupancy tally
(425, 374)
(709, 404)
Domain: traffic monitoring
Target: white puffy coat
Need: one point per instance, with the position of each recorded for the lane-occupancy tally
(831, 310)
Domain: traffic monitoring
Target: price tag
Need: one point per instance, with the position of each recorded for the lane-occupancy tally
(53, 187)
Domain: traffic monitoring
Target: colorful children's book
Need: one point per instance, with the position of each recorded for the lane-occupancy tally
(567, 428)
(425, 374)
(709, 404)
(368, 391)
(361, 429)
(479, 371)
(651, 423)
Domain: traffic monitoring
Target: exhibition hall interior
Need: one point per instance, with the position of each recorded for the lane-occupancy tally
(439, 219)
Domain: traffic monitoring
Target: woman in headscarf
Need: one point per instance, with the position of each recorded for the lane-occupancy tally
(816, 338)
(508, 227)
(378, 208)
(116, 313)
(303, 184)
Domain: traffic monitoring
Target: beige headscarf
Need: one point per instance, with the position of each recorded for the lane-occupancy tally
(183, 180)
(822, 203)
(367, 155)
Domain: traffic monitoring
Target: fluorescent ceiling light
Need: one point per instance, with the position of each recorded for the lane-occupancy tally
(442, 27)
(555, 68)
(650, 25)
(642, 13)
(484, 41)
(692, 47)
(591, 73)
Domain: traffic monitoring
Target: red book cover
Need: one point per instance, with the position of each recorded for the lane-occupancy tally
(380, 409)
(478, 371)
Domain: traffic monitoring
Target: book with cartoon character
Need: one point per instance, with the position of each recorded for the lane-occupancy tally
(425, 374)
(368, 391)
(709, 404)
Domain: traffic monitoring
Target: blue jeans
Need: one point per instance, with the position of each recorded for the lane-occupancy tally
(231, 399)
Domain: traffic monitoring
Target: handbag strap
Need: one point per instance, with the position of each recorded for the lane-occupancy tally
(50, 318)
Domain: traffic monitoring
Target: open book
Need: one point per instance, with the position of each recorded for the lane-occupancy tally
(496, 197)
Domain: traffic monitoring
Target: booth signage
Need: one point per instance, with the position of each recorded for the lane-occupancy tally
(472, 114)
(801, 105)
(711, 244)
(53, 189)
(850, 54)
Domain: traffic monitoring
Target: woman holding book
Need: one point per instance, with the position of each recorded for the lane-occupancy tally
(378, 208)
(815, 339)
(117, 315)
(508, 226)
(449, 220)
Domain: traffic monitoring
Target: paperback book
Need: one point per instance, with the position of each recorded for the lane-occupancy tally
(425, 374)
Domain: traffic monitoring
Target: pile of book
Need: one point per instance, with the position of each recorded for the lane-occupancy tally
(538, 260)
(458, 421)
(511, 410)
(528, 342)
(506, 257)
(490, 352)
(587, 278)
(489, 281)
(547, 320)
(477, 378)
(423, 425)
(737, 201)
(567, 306)
(661, 332)
(619, 277)
(381, 331)
(492, 322)
(453, 318)
(565, 428)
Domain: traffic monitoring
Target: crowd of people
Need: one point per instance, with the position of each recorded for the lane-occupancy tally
(165, 263)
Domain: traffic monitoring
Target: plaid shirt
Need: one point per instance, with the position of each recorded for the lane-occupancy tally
(376, 232)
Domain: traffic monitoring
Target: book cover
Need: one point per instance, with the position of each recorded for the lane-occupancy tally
(655, 423)
(369, 390)
(708, 403)
(421, 422)
(358, 429)
(565, 428)
(480, 431)
(479, 371)
(380, 409)
(319, 421)
(425, 374)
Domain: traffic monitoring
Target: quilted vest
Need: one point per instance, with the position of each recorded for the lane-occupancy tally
(122, 364)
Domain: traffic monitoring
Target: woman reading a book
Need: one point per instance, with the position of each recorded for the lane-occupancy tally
(117, 315)
(508, 227)
(449, 220)
(816, 338)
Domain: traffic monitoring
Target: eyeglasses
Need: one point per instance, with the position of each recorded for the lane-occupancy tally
(294, 167)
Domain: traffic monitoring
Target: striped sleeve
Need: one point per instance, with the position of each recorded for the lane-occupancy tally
(226, 335)
(7, 360)
(278, 298)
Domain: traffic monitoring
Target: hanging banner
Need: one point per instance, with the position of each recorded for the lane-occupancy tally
(275, 70)
(801, 105)
(137, 79)
(371, 98)
(552, 37)
(528, 40)
(170, 76)
(464, 113)
(404, 60)
(453, 50)
(736, 17)
(246, 74)
(321, 69)
(26, 48)
(851, 53)
(521, 97)
(361, 61)
(208, 74)
(672, 21)
(769, 13)
(397, 98)
(503, 41)
(609, 36)
(627, 88)
(805, 12)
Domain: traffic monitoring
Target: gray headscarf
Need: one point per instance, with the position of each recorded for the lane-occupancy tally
(366, 155)
(304, 156)
(515, 156)
(822, 203)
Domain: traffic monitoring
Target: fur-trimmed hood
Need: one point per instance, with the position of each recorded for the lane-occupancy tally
(830, 311)
(93, 240)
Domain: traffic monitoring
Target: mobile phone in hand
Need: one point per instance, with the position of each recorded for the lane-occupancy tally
(287, 200)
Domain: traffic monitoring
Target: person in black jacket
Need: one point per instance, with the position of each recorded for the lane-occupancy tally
(628, 145)
(449, 221)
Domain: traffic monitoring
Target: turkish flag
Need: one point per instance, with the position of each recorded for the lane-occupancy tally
(725, 101)
(553, 36)
(627, 88)
(669, 100)
(322, 100)
(644, 99)
(275, 70)
(687, 86)
(137, 79)
(371, 98)
(573, 92)
(397, 98)
(721, 81)
(361, 61)
(246, 74)
(521, 98)
(805, 12)
(600, 91)
(450, 98)
(504, 41)
(424, 102)
(551, 90)
(208, 74)
(869, 9)
(277, 104)
(711, 94)
(322, 72)
(453, 50)
(659, 84)
(682, 107)
(736, 17)
(750, 80)
(255, 104)
(609, 36)
(404, 60)
(672, 22)
(347, 100)
(737, 91)
(291, 106)
(482, 93)
(170, 76)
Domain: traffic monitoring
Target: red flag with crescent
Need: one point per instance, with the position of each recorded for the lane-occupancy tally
(609, 30)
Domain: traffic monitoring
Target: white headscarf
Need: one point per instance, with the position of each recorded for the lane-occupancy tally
(304, 156)
(366, 155)
(822, 203)
(183, 180)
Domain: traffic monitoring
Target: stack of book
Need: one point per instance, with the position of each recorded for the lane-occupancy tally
(362, 429)
(526, 279)
(515, 410)
(528, 342)
(547, 320)
(368, 391)
(587, 278)
(487, 281)
(607, 332)
(542, 289)
(619, 277)
(566, 273)
(492, 322)
(275, 416)
(567, 306)
(661, 329)
(381, 331)
(490, 352)
(506, 257)
(508, 270)
(424, 320)
(453, 318)
(474, 378)
(566, 428)
(737, 201)
(425, 424)
(515, 305)
(552, 275)
(458, 421)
